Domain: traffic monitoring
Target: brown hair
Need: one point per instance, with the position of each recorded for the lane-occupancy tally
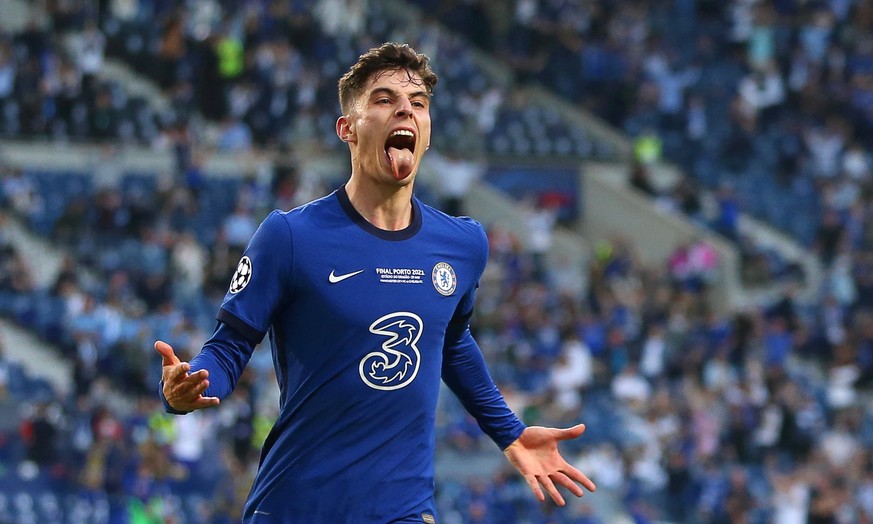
(387, 57)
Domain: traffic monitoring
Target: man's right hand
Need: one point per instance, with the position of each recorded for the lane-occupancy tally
(183, 391)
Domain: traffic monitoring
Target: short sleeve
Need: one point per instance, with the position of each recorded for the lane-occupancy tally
(262, 280)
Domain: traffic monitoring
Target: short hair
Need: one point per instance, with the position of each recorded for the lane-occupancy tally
(389, 56)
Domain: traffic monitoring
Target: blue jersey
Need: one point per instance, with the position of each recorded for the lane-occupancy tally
(363, 324)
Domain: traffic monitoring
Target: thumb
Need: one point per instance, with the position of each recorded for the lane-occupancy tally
(166, 351)
(571, 433)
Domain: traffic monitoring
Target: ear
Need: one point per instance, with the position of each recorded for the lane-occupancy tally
(344, 129)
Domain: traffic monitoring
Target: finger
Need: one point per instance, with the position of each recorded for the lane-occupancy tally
(571, 433)
(551, 490)
(181, 370)
(195, 377)
(175, 374)
(167, 353)
(563, 480)
(202, 387)
(206, 402)
(535, 487)
(198, 403)
(579, 477)
(189, 396)
(191, 386)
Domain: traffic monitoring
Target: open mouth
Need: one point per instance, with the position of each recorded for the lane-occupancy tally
(401, 139)
(399, 147)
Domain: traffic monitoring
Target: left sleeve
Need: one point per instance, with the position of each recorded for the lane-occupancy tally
(466, 374)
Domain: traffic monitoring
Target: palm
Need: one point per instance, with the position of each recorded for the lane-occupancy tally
(536, 456)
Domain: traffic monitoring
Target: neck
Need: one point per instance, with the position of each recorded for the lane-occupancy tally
(385, 206)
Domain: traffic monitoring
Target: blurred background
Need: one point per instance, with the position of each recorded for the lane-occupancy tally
(678, 195)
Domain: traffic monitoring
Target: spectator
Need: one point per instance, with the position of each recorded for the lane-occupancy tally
(631, 387)
(235, 136)
(830, 236)
(452, 176)
(88, 48)
(572, 373)
(189, 262)
(170, 53)
(540, 221)
(21, 194)
(640, 178)
(655, 352)
(40, 433)
(7, 71)
(761, 93)
(240, 226)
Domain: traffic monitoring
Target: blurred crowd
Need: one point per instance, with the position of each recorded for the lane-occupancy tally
(763, 415)
(252, 74)
(691, 416)
(768, 105)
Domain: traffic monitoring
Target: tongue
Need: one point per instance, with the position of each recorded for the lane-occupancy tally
(401, 162)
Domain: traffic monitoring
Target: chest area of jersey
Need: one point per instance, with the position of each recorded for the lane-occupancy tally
(412, 277)
(388, 308)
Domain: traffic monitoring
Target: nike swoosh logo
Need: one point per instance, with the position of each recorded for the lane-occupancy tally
(333, 279)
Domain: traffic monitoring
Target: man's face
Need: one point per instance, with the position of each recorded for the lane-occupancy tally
(388, 127)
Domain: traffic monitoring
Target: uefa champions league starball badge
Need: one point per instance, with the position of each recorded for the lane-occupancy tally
(242, 276)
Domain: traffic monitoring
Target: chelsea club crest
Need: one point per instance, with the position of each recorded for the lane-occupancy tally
(444, 279)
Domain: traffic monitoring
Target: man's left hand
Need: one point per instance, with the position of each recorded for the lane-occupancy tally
(535, 454)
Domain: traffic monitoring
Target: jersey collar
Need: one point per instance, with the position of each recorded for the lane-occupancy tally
(401, 234)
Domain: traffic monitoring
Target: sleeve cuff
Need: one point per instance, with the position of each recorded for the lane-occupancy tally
(503, 442)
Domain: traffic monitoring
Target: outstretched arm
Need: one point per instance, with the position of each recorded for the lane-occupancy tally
(535, 455)
(210, 376)
(261, 284)
(532, 450)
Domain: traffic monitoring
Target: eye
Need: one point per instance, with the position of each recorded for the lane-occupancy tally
(418, 103)
(383, 101)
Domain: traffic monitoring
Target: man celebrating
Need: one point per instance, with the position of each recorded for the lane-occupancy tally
(366, 295)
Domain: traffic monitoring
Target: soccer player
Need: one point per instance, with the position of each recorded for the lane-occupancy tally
(366, 295)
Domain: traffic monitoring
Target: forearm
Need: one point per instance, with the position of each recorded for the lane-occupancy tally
(466, 374)
(224, 356)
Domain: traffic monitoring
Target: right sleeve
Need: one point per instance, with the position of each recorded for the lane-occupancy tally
(225, 355)
(258, 287)
(262, 281)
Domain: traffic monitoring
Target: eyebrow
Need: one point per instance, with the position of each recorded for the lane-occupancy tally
(392, 92)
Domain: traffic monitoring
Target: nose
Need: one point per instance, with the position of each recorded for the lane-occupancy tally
(404, 107)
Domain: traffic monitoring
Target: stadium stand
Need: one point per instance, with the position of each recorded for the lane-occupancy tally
(694, 414)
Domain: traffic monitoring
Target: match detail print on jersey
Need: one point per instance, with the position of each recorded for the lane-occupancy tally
(242, 276)
(396, 364)
(400, 275)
